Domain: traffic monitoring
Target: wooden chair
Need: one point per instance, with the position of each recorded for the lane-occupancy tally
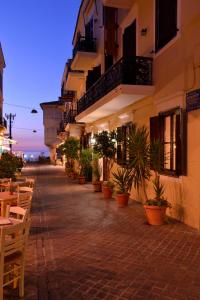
(30, 182)
(25, 189)
(12, 255)
(24, 200)
(16, 212)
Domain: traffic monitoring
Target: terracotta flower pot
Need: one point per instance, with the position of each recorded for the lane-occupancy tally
(155, 214)
(122, 199)
(107, 192)
(81, 179)
(97, 186)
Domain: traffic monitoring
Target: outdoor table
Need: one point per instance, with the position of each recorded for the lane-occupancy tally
(4, 222)
(6, 198)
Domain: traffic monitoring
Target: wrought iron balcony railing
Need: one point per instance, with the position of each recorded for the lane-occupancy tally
(70, 117)
(85, 44)
(132, 71)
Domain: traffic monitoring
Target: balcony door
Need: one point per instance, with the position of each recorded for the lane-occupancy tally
(129, 41)
(129, 53)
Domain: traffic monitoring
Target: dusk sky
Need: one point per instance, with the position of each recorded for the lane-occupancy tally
(36, 37)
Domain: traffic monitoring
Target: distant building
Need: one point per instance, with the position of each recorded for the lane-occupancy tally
(139, 62)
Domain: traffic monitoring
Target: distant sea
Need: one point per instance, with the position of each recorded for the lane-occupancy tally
(33, 155)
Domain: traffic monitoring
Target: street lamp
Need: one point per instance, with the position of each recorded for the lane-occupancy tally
(10, 117)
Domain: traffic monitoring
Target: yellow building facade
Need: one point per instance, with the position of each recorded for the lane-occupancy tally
(139, 61)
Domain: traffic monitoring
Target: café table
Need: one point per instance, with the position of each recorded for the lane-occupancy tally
(6, 198)
(4, 222)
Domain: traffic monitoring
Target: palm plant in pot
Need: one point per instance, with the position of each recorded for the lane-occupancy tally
(123, 178)
(156, 208)
(96, 173)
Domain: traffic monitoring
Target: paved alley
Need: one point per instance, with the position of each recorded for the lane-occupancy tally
(83, 247)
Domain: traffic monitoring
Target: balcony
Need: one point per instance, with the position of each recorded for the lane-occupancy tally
(126, 82)
(74, 79)
(84, 54)
(70, 116)
(67, 95)
(126, 4)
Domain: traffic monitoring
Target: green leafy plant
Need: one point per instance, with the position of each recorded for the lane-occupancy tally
(85, 160)
(105, 147)
(123, 178)
(9, 165)
(70, 149)
(139, 152)
(109, 184)
(96, 169)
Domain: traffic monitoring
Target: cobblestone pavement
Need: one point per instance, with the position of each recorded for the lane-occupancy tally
(83, 247)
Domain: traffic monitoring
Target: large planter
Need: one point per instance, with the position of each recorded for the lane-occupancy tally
(155, 214)
(122, 200)
(97, 186)
(107, 192)
(81, 179)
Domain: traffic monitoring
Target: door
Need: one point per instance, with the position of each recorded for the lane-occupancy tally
(129, 54)
(129, 41)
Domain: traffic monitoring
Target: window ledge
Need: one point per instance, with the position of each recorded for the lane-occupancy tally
(168, 45)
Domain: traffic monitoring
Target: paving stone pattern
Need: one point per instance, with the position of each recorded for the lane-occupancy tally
(83, 247)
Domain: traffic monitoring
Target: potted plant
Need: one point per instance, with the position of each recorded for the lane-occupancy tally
(105, 146)
(123, 178)
(70, 150)
(139, 154)
(85, 159)
(156, 208)
(96, 173)
(107, 189)
(9, 165)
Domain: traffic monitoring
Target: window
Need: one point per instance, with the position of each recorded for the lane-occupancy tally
(122, 144)
(166, 22)
(170, 128)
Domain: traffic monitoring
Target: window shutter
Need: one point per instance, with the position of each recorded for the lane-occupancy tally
(119, 145)
(181, 143)
(157, 133)
(110, 25)
(166, 22)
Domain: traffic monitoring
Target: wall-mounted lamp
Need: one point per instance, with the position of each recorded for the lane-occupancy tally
(143, 31)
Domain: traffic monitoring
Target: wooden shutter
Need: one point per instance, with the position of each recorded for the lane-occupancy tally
(157, 133)
(181, 143)
(119, 145)
(110, 25)
(166, 22)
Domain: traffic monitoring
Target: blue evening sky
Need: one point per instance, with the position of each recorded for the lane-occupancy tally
(36, 37)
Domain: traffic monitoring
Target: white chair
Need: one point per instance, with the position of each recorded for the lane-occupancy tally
(12, 255)
(16, 213)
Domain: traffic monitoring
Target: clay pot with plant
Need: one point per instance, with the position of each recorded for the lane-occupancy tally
(156, 208)
(107, 189)
(145, 158)
(96, 173)
(123, 178)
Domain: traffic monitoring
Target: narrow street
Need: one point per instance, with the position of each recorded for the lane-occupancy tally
(83, 247)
